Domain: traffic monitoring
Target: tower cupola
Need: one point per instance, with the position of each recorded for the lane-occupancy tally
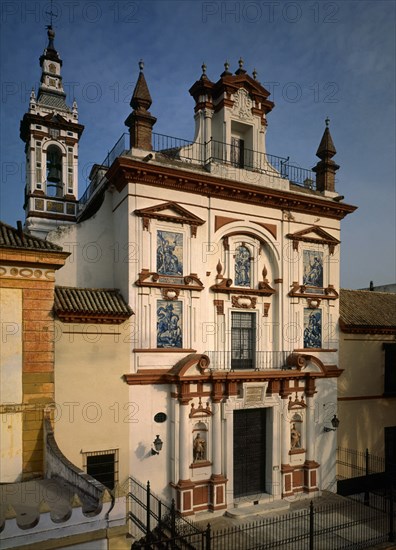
(51, 133)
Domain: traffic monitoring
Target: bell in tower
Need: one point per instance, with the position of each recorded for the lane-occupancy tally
(54, 165)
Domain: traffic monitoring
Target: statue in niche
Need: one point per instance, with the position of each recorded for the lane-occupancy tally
(199, 448)
(295, 438)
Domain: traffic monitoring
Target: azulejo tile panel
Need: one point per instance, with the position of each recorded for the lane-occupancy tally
(169, 324)
(313, 268)
(169, 253)
(312, 328)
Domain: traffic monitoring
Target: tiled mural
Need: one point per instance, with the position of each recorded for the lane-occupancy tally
(312, 328)
(169, 324)
(169, 253)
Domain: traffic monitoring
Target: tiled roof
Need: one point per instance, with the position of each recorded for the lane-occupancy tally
(52, 100)
(10, 237)
(94, 305)
(367, 311)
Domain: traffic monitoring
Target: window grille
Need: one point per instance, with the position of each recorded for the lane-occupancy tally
(243, 340)
(103, 466)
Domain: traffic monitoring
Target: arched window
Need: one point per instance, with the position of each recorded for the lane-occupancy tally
(54, 172)
(242, 266)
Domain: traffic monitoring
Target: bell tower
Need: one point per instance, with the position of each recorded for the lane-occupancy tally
(51, 133)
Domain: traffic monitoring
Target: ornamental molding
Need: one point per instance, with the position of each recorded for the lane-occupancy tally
(315, 235)
(313, 294)
(26, 273)
(296, 403)
(169, 284)
(170, 293)
(200, 411)
(179, 215)
(244, 302)
(224, 285)
(125, 170)
(243, 105)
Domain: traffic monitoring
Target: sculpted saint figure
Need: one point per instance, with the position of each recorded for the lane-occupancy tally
(199, 448)
(295, 437)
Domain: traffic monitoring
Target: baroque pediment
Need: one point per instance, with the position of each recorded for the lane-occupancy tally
(313, 234)
(170, 212)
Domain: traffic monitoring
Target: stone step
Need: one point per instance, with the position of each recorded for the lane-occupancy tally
(258, 509)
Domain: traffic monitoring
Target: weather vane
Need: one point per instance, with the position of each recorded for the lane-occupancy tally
(51, 14)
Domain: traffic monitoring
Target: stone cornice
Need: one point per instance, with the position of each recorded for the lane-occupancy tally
(25, 257)
(125, 170)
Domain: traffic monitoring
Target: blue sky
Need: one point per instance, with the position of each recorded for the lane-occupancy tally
(317, 58)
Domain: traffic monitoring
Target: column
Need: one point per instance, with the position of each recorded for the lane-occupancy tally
(311, 476)
(184, 442)
(286, 469)
(216, 438)
(310, 437)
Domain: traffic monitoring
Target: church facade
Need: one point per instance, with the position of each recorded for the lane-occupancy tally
(217, 378)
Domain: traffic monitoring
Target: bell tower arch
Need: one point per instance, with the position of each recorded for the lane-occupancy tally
(51, 133)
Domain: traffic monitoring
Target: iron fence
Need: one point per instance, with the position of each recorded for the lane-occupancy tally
(345, 524)
(157, 525)
(349, 525)
(352, 463)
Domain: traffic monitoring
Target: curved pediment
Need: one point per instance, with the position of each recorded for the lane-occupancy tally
(192, 365)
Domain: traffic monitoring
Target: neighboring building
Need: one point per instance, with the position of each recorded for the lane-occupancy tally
(219, 388)
(367, 388)
(381, 288)
(43, 496)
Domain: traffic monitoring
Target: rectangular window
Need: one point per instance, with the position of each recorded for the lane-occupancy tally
(243, 340)
(70, 167)
(390, 369)
(103, 466)
(237, 152)
(38, 162)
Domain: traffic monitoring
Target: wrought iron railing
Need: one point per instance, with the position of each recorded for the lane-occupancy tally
(260, 360)
(158, 522)
(119, 148)
(212, 151)
(234, 156)
(340, 524)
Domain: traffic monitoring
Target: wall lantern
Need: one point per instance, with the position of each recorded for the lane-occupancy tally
(335, 423)
(157, 446)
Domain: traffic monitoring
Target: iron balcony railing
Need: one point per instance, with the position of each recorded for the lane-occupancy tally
(233, 155)
(203, 154)
(238, 360)
(121, 147)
